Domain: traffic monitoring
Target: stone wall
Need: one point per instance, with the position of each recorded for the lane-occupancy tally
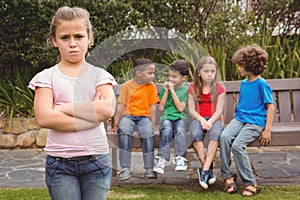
(22, 133)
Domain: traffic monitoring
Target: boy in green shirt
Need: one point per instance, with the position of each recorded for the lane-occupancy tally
(174, 120)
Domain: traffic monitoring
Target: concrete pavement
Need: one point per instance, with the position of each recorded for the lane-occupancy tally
(272, 166)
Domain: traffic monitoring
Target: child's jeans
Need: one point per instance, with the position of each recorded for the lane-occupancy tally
(127, 125)
(170, 129)
(235, 138)
(79, 178)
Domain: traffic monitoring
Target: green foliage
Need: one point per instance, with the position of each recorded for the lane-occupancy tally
(284, 58)
(216, 27)
(22, 40)
(16, 99)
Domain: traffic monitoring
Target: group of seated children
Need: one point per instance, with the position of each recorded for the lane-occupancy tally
(204, 101)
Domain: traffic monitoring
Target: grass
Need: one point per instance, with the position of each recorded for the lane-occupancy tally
(154, 192)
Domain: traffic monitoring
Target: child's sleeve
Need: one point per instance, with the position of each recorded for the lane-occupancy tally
(154, 96)
(42, 79)
(267, 93)
(105, 78)
(161, 92)
(191, 89)
(123, 94)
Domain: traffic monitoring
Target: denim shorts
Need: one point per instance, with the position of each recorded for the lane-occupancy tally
(84, 177)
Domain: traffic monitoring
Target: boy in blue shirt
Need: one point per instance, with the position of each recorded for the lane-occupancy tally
(253, 118)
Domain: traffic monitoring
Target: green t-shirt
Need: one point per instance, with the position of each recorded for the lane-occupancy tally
(170, 111)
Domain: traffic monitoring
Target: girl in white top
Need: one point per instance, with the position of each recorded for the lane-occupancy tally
(72, 99)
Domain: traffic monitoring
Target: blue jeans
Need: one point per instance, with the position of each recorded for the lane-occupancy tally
(235, 138)
(168, 130)
(142, 124)
(198, 133)
(79, 178)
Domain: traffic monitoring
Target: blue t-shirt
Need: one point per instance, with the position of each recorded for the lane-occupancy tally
(253, 98)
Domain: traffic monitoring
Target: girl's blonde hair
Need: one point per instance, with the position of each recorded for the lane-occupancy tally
(199, 82)
(66, 13)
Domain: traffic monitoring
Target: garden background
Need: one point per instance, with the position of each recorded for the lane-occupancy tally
(218, 27)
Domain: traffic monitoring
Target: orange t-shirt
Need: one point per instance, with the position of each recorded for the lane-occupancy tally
(138, 98)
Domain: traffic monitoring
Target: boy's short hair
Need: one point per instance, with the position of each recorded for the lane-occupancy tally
(253, 58)
(180, 66)
(141, 64)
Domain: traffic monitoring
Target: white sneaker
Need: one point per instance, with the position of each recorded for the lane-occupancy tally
(211, 177)
(124, 174)
(180, 163)
(159, 167)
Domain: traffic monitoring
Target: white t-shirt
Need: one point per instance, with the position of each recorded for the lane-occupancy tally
(74, 90)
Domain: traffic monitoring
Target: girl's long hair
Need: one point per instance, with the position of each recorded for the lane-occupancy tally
(199, 82)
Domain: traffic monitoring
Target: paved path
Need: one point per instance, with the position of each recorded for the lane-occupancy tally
(272, 166)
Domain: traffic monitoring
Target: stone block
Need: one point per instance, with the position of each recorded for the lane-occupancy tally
(27, 139)
(8, 140)
(42, 137)
(16, 127)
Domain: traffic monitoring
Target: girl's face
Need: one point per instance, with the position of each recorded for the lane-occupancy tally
(176, 78)
(72, 40)
(208, 72)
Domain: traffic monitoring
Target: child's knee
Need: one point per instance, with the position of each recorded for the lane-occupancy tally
(237, 148)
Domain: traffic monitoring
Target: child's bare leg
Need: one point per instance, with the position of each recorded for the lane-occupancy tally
(211, 152)
(200, 151)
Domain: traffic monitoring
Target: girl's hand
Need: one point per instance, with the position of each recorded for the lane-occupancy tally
(204, 124)
(265, 137)
(98, 96)
(58, 107)
(208, 125)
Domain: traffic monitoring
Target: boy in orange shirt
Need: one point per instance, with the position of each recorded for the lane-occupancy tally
(136, 111)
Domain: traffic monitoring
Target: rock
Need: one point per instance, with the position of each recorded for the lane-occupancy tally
(17, 127)
(26, 140)
(2, 122)
(42, 137)
(8, 140)
(32, 124)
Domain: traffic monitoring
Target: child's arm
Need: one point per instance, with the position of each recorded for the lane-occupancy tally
(192, 110)
(49, 118)
(153, 115)
(218, 111)
(265, 136)
(163, 100)
(117, 116)
(179, 105)
(99, 110)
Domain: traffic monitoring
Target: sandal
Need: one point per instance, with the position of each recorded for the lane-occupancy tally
(252, 191)
(230, 185)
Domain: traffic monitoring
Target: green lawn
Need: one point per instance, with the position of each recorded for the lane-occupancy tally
(163, 192)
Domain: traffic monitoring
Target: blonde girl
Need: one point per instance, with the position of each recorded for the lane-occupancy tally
(205, 105)
(72, 99)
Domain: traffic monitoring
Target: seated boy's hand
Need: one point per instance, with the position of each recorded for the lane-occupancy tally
(265, 138)
(155, 129)
(114, 129)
